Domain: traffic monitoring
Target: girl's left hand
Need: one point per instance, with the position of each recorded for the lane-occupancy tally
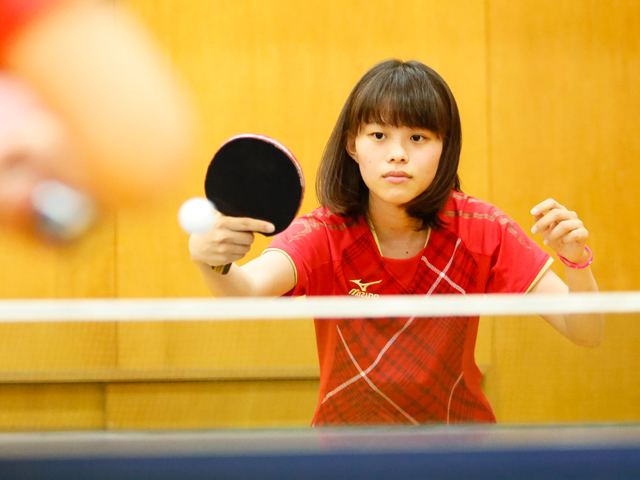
(561, 230)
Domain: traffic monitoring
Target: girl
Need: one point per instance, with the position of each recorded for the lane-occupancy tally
(393, 220)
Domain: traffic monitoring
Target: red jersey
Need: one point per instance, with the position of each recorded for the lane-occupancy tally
(406, 370)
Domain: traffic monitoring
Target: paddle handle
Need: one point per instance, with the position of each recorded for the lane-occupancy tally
(221, 269)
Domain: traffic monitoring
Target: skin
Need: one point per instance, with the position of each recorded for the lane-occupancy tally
(397, 164)
(565, 233)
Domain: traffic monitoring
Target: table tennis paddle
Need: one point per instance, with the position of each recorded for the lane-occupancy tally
(257, 177)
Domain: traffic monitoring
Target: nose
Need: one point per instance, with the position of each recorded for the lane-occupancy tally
(397, 153)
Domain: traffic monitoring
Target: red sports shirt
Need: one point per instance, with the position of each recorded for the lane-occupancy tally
(407, 370)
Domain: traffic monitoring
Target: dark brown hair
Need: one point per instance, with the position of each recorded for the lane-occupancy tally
(399, 94)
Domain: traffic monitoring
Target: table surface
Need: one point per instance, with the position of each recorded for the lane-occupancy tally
(496, 452)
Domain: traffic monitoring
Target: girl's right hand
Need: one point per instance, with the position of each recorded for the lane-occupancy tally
(228, 240)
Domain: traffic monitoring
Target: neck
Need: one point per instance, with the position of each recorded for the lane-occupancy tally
(393, 220)
(398, 234)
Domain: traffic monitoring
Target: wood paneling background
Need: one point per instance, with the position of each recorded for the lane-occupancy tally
(548, 94)
(564, 98)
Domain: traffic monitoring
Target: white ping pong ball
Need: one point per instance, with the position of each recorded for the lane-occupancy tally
(197, 215)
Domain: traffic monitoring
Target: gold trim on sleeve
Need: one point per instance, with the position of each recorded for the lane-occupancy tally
(295, 270)
(542, 271)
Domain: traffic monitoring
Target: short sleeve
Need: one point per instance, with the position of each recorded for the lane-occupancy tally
(508, 260)
(306, 245)
(517, 262)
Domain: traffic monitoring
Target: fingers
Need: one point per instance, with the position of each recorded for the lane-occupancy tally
(545, 206)
(219, 246)
(560, 228)
(552, 218)
(228, 241)
(241, 224)
(565, 232)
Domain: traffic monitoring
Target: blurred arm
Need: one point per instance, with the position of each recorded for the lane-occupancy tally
(130, 123)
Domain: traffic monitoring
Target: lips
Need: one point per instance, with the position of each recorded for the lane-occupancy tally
(397, 173)
(396, 176)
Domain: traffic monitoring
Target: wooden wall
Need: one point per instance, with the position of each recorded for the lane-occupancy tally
(548, 95)
(563, 93)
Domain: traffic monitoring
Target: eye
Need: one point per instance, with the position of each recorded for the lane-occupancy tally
(417, 138)
(378, 135)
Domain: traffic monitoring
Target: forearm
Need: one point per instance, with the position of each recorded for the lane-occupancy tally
(565, 233)
(270, 275)
(583, 329)
(236, 283)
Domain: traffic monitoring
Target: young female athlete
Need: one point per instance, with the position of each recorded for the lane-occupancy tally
(393, 220)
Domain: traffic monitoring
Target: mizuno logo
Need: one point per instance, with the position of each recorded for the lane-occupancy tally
(363, 289)
(363, 286)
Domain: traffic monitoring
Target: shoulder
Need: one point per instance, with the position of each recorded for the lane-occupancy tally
(481, 224)
(318, 226)
(313, 242)
(461, 205)
(508, 260)
(462, 209)
(323, 221)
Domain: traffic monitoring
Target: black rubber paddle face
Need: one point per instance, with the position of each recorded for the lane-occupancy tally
(254, 176)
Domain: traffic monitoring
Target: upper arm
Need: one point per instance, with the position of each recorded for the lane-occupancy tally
(271, 274)
(550, 283)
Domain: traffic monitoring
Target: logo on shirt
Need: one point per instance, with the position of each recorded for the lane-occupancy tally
(362, 292)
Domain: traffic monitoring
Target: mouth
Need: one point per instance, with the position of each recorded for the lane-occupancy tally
(396, 176)
(396, 173)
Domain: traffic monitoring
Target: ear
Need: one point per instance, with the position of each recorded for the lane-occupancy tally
(351, 147)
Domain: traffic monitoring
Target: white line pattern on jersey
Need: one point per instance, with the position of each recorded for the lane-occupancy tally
(363, 374)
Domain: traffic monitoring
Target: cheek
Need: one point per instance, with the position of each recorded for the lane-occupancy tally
(434, 161)
(362, 161)
(362, 166)
(366, 171)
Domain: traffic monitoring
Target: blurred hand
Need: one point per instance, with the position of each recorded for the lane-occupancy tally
(33, 147)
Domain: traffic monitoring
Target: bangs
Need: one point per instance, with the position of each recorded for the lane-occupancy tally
(401, 95)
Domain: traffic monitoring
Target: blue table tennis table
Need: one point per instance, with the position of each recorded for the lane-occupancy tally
(431, 452)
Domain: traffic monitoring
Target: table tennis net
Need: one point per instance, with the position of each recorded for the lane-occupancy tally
(198, 364)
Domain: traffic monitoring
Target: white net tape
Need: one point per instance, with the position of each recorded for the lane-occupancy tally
(190, 309)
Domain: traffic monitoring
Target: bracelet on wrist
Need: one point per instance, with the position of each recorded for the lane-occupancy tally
(575, 265)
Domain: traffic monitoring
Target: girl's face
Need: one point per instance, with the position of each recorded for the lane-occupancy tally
(396, 163)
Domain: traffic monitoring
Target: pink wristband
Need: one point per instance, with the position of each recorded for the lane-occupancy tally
(573, 265)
